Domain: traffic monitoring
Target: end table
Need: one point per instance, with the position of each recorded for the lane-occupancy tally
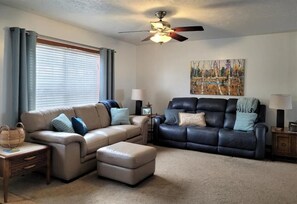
(30, 157)
(284, 143)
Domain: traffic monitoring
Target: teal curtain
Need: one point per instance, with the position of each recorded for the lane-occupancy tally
(23, 56)
(106, 91)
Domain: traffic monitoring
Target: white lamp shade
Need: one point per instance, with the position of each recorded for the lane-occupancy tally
(137, 95)
(280, 101)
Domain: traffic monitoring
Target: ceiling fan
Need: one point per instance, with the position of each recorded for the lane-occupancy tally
(161, 31)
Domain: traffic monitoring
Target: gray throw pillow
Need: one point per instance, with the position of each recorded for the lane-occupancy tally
(171, 116)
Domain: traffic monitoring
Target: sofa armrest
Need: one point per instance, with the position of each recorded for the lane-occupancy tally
(138, 120)
(142, 122)
(260, 131)
(63, 138)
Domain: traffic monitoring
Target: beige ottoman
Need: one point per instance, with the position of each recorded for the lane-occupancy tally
(126, 162)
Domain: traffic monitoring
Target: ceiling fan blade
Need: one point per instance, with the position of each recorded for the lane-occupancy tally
(134, 31)
(188, 28)
(178, 37)
(148, 37)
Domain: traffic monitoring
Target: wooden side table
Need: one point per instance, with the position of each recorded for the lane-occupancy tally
(284, 143)
(30, 157)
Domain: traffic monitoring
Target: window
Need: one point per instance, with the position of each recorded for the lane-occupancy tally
(65, 76)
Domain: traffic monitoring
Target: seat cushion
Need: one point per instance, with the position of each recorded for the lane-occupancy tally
(95, 140)
(173, 132)
(125, 154)
(203, 135)
(114, 135)
(237, 139)
(130, 130)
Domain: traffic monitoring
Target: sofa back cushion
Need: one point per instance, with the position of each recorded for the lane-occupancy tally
(187, 103)
(214, 110)
(261, 114)
(41, 120)
(88, 113)
(230, 115)
(103, 114)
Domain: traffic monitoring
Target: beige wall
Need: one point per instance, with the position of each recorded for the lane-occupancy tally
(124, 58)
(164, 70)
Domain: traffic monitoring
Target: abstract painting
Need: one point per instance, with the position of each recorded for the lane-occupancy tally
(218, 77)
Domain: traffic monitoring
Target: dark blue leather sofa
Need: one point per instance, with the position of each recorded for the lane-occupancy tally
(218, 136)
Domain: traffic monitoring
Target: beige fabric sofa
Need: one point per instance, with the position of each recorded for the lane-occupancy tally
(73, 154)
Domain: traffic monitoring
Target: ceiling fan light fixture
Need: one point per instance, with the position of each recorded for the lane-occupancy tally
(160, 38)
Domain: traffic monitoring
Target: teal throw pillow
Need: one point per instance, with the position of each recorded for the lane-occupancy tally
(79, 126)
(171, 116)
(119, 116)
(62, 123)
(245, 121)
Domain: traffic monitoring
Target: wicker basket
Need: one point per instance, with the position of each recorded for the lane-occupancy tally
(12, 137)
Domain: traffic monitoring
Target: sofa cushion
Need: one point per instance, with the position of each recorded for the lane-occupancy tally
(79, 126)
(94, 140)
(172, 117)
(88, 114)
(229, 120)
(41, 120)
(214, 119)
(214, 110)
(192, 119)
(237, 139)
(212, 104)
(34, 121)
(173, 132)
(188, 104)
(203, 135)
(245, 121)
(104, 117)
(114, 135)
(62, 123)
(230, 114)
(231, 105)
(130, 130)
(119, 116)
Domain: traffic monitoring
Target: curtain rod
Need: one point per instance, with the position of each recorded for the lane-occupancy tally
(61, 40)
(68, 42)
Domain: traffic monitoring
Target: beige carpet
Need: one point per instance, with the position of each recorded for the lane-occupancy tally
(181, 176)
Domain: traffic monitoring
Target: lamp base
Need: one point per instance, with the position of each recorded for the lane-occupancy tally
(280, 118)
(138, 107)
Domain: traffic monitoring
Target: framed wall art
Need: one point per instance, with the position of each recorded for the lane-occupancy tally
(218, 77)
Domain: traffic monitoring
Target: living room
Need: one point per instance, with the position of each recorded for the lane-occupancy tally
(163, 71)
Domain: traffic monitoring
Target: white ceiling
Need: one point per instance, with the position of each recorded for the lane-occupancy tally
(220, 18)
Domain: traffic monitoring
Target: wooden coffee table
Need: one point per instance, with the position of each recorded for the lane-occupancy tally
(30, 157)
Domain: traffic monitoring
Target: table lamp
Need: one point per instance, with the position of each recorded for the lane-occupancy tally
(280, 102)
(138, 96)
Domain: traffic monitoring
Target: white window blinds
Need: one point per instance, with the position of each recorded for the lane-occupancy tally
(65, 76)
